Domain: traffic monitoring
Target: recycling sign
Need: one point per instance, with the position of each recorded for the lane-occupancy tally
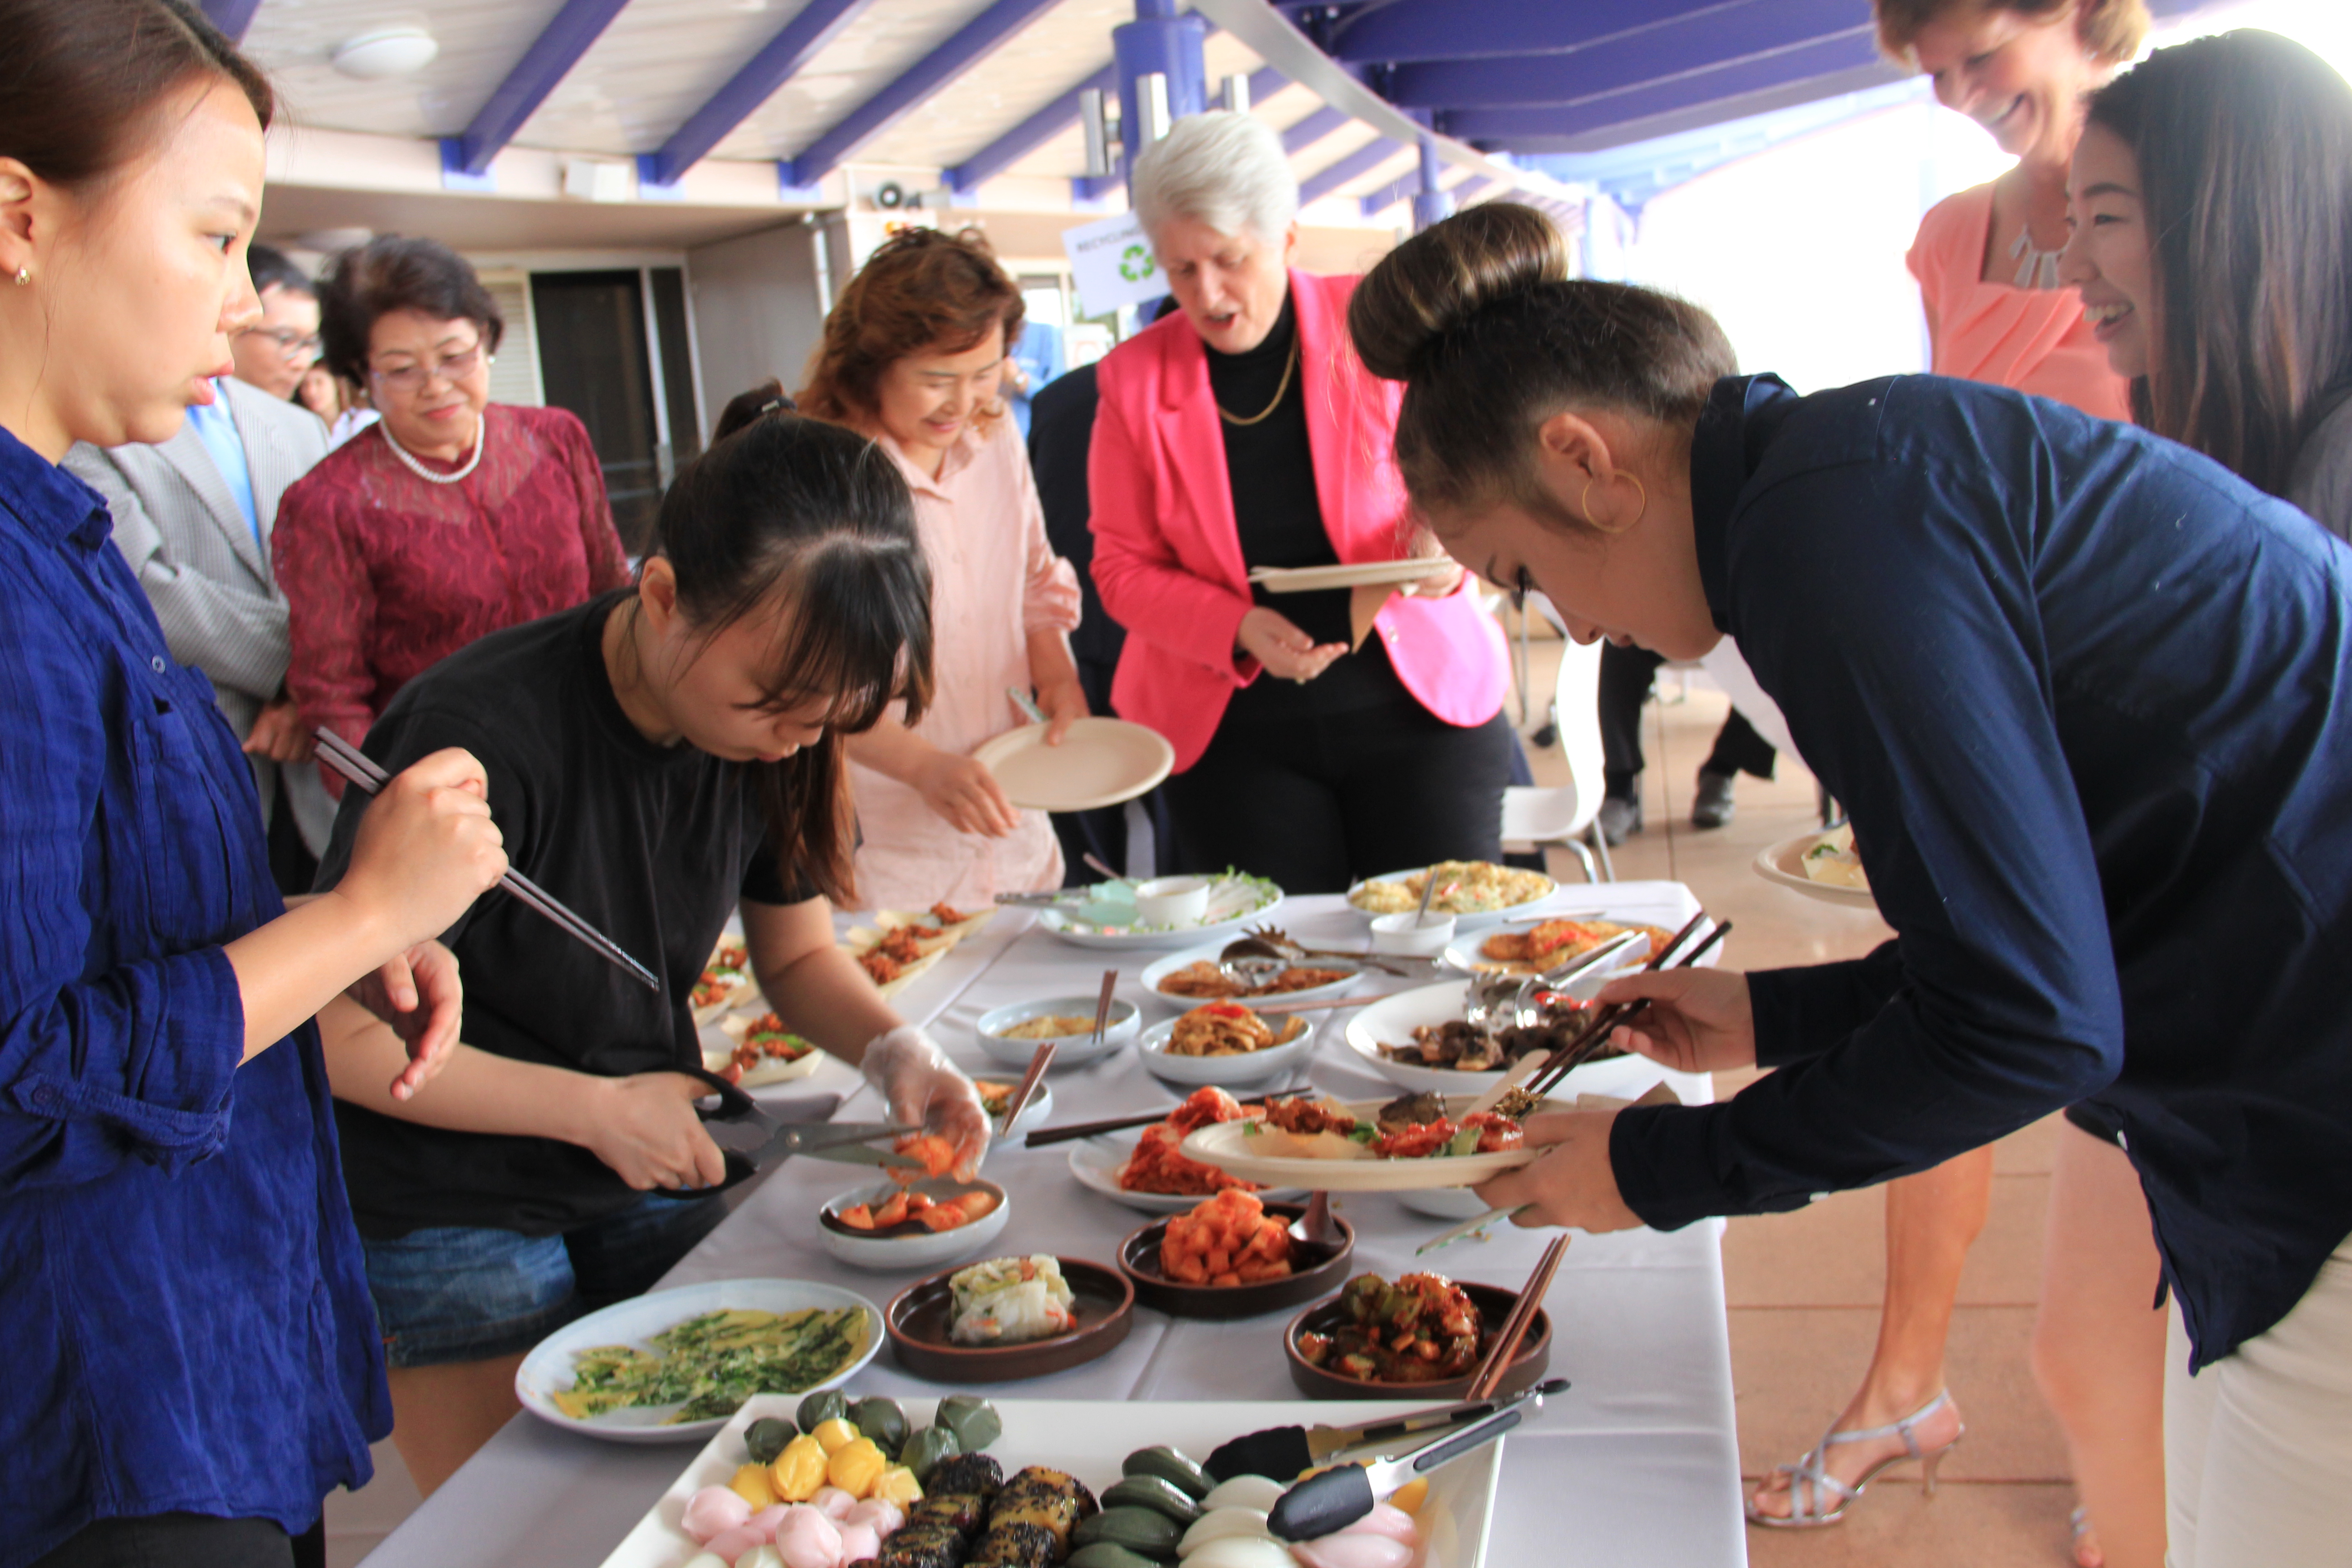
(1113, 265)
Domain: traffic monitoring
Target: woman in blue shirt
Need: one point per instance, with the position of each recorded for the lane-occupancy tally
(192, 1360)
(2086, 695)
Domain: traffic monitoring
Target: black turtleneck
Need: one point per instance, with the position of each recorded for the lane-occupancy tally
(1275, 509)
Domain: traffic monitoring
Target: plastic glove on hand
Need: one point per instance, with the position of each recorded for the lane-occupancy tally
(919, 1083)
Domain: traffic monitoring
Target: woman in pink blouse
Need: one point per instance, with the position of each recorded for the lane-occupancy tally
(1986, 260)
(449, 519)
(913, 356)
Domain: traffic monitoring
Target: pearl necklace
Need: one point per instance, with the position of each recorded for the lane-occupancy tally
(482, 439)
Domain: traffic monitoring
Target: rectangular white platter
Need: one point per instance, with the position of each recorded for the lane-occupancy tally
(1089, 1438)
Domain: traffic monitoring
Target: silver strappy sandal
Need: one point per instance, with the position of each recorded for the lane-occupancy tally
(1810, 1481)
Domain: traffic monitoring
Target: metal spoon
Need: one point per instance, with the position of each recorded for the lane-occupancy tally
(1316, 1228)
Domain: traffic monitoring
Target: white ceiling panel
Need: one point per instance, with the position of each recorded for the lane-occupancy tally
(657, 63)
(1045, 60)
(291, 39)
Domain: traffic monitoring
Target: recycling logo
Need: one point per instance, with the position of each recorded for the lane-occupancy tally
(1135, 264)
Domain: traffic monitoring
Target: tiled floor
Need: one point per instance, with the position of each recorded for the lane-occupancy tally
(1803, 1288)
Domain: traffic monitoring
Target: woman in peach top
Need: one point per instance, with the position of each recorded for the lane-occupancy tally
(1986, 262)
(913, 356)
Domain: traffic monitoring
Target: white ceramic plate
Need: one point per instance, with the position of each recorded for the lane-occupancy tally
(1785, 863)
(1462, 923)
(1095, 1161)
(1232, 1072)
(1392, 1020)
(548, 1368)
(1346, 575)
(1160, 969)
(1107, 919)
(1087, 1438)
(1226, 1145)
(910, 1254)
(1101, 761)
(1070, 1050)
(1467, 954)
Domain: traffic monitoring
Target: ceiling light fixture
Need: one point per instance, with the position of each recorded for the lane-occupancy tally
(384, 52)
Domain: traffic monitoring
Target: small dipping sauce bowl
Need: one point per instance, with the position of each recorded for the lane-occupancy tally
(1171, 900)
(1400, 935)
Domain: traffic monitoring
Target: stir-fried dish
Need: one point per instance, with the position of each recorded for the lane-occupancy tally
(709, 1365)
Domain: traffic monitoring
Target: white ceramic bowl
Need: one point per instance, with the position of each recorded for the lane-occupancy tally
(1254, 1067)
(911, 1254)
(1409, 936)
(1071, 1050)
(1171, 900)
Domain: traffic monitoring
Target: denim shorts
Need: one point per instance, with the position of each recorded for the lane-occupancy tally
(453, 1293)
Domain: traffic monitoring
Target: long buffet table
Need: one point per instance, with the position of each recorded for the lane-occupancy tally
(1635, 1464)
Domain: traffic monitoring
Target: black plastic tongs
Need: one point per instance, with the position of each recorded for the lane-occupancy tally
(1358, 1478)
(1291, 1450)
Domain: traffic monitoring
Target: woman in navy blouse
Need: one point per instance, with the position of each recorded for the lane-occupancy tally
(2088, 698)
(192, 1360)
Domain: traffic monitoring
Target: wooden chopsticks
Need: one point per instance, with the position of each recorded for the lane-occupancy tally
(1077, 1129)
(361, 771)
(1499, 1355)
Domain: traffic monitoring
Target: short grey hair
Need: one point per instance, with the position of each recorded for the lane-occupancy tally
(1224, 169)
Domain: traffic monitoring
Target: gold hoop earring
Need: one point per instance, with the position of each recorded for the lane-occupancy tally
(1584, 502)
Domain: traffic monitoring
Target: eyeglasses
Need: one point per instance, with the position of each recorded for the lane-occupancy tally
(289, 342)
(410, 379)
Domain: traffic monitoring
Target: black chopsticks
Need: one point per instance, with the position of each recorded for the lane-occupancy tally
(360, 771)
(1581, 1050)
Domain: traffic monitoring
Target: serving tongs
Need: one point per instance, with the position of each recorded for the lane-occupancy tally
(1289, 1450)
(1359, 1478)
(1498, 1002)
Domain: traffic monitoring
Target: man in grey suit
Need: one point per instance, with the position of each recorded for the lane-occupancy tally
(193, 516)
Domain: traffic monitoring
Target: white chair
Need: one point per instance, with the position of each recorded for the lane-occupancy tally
(1564, 814)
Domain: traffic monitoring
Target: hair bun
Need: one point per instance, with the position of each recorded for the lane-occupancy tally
(1432, 285)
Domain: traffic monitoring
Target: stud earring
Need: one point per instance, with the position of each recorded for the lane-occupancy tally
(24, 276)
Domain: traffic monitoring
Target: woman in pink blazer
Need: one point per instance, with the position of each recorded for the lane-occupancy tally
(1323, 736)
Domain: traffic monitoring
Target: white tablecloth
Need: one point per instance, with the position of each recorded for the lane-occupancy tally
(1635, 1464)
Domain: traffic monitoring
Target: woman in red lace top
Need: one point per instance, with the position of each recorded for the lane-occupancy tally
(451, 517)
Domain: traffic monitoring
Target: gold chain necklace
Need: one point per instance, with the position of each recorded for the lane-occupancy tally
(1289, 368)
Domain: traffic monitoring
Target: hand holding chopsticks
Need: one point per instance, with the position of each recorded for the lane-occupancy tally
(358, 770)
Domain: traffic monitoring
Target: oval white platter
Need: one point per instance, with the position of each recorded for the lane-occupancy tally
(1392, 1020)
(1225, 1144)
(1475, 920)
(1160, 969)
(1095, 1161)
(1107, 919)
(549, 1367)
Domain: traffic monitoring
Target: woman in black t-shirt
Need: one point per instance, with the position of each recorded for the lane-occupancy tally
(654, 757)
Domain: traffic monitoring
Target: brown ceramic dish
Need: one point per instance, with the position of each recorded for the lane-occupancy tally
(1493, 1305)
(1139, 1260)
(917, 1319)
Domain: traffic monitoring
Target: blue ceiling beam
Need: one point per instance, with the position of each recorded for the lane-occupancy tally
(231, 17)
(1313, 128)
(1360, 161)
(1837, 62)
(1059, 116)
(1656, 54)
(1409, 186)
(1413, 30)
(1034, 132)
(970, 44)
(784, 57)
(545, 64)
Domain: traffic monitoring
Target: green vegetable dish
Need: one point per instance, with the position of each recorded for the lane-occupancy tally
(709, 1365)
